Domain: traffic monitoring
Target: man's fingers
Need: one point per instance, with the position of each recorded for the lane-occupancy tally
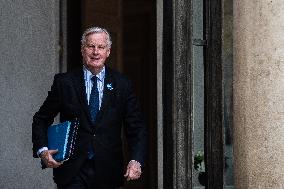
(133, 174)
(133, 171)
(127, 173)
(52, 151)
(48, 159)
(53, 164)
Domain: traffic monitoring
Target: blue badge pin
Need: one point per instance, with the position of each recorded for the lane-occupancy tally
(109, 86)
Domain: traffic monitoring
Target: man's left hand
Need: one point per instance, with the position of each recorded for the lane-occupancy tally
(133, 171)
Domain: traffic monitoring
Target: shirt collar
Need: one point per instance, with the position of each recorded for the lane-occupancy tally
(88, 75)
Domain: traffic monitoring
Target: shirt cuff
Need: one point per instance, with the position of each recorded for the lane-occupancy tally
(135, 162)
(41, 150)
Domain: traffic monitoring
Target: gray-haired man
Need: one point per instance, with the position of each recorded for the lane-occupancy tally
(104, 102)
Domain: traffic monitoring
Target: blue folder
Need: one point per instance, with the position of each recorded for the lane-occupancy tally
(62, 137)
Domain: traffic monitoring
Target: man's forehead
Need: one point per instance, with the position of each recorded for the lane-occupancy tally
(101, 34)
(96, 36)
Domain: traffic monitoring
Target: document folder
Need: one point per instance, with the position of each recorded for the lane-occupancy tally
(62, 137)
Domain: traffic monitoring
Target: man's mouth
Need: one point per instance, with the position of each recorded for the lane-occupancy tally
(94, 58)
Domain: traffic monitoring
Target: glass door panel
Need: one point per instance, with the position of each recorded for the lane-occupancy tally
(198, 94)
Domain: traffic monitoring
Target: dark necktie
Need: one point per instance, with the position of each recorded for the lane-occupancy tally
(94, 108)
(94, 99)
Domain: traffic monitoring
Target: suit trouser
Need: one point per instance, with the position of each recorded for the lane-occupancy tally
(85, 179)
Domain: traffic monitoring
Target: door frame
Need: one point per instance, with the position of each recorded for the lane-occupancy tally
(176, 66)
(214, 114)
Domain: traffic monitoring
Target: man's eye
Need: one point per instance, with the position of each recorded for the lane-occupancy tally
(91, 46)
(100, 47)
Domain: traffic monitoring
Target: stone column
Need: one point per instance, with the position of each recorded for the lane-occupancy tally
(258, 94)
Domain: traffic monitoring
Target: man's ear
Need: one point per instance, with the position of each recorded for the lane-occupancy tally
(108, 52)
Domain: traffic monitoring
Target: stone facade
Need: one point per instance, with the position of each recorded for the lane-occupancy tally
(29, 59)
(29, 54)
(258, 94)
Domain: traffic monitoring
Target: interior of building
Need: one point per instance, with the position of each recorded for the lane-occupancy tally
(132, 25)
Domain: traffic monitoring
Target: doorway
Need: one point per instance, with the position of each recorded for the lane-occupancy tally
(197, 94)
(132, 25)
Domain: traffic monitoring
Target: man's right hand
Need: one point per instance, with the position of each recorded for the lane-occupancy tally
(46, 157)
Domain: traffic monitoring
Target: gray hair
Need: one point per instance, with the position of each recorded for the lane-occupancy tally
(96, 30)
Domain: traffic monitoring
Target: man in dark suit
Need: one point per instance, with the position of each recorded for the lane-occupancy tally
(103, 101)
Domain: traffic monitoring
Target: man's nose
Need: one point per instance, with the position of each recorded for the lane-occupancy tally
(95, 50)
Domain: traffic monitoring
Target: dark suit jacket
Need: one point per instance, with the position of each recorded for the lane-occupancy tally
(119, 108)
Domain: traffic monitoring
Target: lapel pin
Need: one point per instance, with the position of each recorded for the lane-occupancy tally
(109, 86)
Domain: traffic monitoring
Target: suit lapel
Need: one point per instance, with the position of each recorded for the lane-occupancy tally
(109, 88)
(107, 100)
(80, 88)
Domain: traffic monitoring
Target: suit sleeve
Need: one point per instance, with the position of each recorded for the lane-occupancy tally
(136, 133)
(45, 117)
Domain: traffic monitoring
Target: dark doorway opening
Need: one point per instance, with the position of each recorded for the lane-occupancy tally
(132, 24)
(73, 33)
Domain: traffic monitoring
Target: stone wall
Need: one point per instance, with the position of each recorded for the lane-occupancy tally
(29, 58)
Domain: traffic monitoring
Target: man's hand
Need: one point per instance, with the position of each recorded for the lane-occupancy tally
(133, 171)
(48, 160)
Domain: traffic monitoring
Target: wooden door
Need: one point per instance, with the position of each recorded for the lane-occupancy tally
(106, 14)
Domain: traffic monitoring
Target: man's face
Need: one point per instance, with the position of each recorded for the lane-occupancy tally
(95, 51)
